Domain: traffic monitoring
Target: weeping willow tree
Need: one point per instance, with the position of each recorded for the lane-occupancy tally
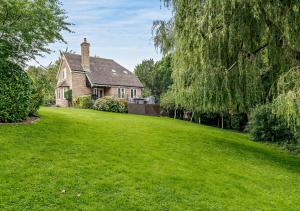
(287, 103)
(230, 54)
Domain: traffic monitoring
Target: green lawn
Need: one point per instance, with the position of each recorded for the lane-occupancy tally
(128, 162)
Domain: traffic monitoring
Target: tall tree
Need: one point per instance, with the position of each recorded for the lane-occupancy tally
(156, 77)
(45, 80)
(28, 26)
(229, 53)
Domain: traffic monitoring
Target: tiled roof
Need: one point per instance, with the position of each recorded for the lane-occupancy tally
(104, 71)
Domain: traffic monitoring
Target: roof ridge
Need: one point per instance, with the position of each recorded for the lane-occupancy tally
(92, 57)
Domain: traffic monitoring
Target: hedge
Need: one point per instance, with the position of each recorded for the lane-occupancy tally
(15, 92)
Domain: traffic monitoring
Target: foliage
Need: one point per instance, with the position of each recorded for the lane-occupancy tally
(144, 72)
(111, 104)
(229, 54)
(287, 101)
(36, 99)
(15, 93)
(162, 76)
(236, 121)
(163, 35)
(45, 80)
(82, 102)
(110, 161)
(146, 92)
(265, 126)
(156, 77)
(167, 102)
(28, 26)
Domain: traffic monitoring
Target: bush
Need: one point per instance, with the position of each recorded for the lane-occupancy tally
(111, 104)
(15, 92)
(82, 102)
(36, 99)
(265, 126)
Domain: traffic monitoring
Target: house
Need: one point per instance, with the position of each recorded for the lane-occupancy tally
(94, 76)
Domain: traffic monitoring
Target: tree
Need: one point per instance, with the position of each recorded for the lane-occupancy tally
(28, 26)
(163, 35)
(229, 54)
(286, 104)
(144, 71)
(162, 76)
(156, 77)
(45, 80)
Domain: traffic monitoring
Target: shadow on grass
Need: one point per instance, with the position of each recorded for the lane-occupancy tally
(269, 155)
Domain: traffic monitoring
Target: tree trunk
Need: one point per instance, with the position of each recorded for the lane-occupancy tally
(192, 116)
(222, 117)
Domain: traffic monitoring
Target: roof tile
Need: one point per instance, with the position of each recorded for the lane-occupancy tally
(104, 71)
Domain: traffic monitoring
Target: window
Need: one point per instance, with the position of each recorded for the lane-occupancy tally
(121, 92)
(133, 93)
(98, 93)
(64, 74)
(95, 91)
(65, 89)
(58, 93)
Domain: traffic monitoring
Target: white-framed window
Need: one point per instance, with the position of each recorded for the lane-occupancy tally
(98, 92)
(121, 92)
(133, 93)
(64, 74)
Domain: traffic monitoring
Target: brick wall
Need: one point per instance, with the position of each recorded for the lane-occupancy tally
(60, 77)
(113, 91)
(79, 84)
(62, 103)
(68, 72)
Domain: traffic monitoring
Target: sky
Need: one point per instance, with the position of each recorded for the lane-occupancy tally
(116, 29)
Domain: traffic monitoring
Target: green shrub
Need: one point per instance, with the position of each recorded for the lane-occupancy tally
(36, 99)
(82, 102)
(265, 126)
(15, 92)
(111, 104)
(123, 106)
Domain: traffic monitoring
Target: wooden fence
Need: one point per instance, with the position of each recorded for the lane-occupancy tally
(144, 109)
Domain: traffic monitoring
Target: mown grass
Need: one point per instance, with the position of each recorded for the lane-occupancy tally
(107, 161)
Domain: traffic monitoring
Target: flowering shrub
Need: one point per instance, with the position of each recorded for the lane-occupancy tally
(111, 104)
(82, 102)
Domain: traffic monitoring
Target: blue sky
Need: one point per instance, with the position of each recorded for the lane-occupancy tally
(116, 29)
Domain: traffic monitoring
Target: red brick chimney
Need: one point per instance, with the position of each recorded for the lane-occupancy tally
(85, 55)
